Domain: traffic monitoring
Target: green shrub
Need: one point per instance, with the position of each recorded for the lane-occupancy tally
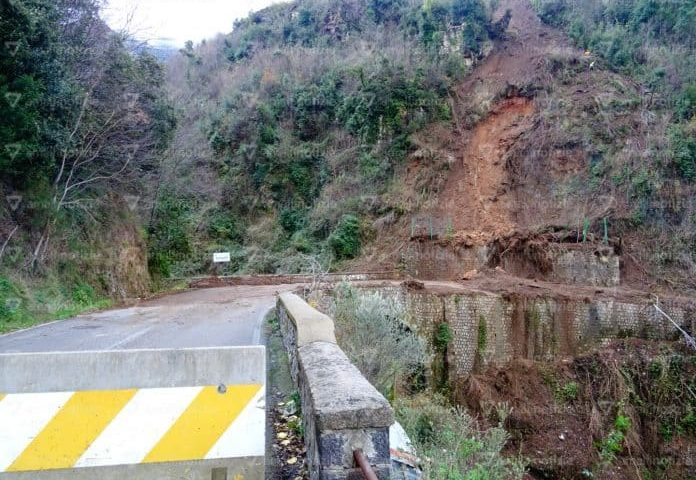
(225, 226)
(168, 235)
(371, 330)
(688, 423)
(482, 335)
(683, 150)
(13, 309)
(622, 423)
(301, 242)
(373, 168)
(292, 219)
(613, 443)
(686, 104)
(390, 101)
(83, 295)
(345, 239)
(568, 392)
(450, 444)
(443, 337)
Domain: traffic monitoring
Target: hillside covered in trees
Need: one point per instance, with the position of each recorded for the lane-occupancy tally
(322, 134)
(83, 124)
(330, 129)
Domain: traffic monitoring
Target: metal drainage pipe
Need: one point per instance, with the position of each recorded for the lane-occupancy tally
(364, 465)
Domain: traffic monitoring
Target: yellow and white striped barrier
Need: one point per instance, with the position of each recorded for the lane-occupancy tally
(58, 430)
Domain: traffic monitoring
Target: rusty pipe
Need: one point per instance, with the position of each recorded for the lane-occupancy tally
(364, 465)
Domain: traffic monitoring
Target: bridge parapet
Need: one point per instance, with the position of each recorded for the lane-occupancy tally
(342, 411)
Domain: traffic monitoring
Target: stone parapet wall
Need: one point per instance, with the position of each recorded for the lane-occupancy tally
(341, 410)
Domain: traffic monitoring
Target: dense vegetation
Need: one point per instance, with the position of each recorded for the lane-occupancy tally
(294, 131)
(650, 40)
(306, 123)
(82, 120)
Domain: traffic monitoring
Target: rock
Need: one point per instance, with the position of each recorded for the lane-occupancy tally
(470, 274)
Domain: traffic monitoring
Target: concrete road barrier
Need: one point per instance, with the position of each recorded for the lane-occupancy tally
(137, 414)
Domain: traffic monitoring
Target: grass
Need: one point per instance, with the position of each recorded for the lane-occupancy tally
(568, 392)
(23, 306)
(451, 444)
(32, 319)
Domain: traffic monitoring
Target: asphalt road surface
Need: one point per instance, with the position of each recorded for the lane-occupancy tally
(211, 317)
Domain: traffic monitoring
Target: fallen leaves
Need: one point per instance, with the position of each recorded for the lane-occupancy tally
(289, 445)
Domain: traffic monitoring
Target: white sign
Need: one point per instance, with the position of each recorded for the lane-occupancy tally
(221, 257)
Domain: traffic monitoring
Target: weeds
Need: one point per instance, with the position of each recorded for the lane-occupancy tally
(450, 444)
(371, 331)
(443, 337)
(22, 307)
(568, 392)
(481, 341)
(345, 239)
(613, 443)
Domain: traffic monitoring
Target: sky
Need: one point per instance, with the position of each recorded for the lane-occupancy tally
(173, 22)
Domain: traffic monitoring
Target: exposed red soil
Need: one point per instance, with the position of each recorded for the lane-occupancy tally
(483, 194)
(226, 281)
(477, 193)
(561, 435)
(460, 178)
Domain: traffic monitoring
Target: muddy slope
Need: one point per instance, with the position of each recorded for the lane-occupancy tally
(565, 418)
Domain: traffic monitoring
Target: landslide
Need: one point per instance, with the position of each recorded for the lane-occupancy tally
(546, 137)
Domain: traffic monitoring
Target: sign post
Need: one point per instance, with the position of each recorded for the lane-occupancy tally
(218, 258)
(221, 257)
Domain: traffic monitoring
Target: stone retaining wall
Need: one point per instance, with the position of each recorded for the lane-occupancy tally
(341, 410)
(431, 260)
(578, 264)
(492, 327)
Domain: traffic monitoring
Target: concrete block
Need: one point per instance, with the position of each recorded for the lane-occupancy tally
(194, 414)
(116, 369)
(342, 398)
(311, 325)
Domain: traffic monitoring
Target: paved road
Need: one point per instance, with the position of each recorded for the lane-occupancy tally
(197, 318)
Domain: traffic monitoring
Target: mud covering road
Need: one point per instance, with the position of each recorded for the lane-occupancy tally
(227, 316)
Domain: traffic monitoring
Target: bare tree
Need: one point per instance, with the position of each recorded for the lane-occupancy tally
(111, 135)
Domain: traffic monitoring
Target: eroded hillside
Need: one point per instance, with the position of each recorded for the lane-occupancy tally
(546, 139)
(470, 126)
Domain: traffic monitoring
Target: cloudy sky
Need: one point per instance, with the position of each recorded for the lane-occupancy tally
(175, 21)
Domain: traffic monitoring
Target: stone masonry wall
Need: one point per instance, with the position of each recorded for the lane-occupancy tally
(429, 260)
(342, 411)
(495, 328)
(574, 264)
